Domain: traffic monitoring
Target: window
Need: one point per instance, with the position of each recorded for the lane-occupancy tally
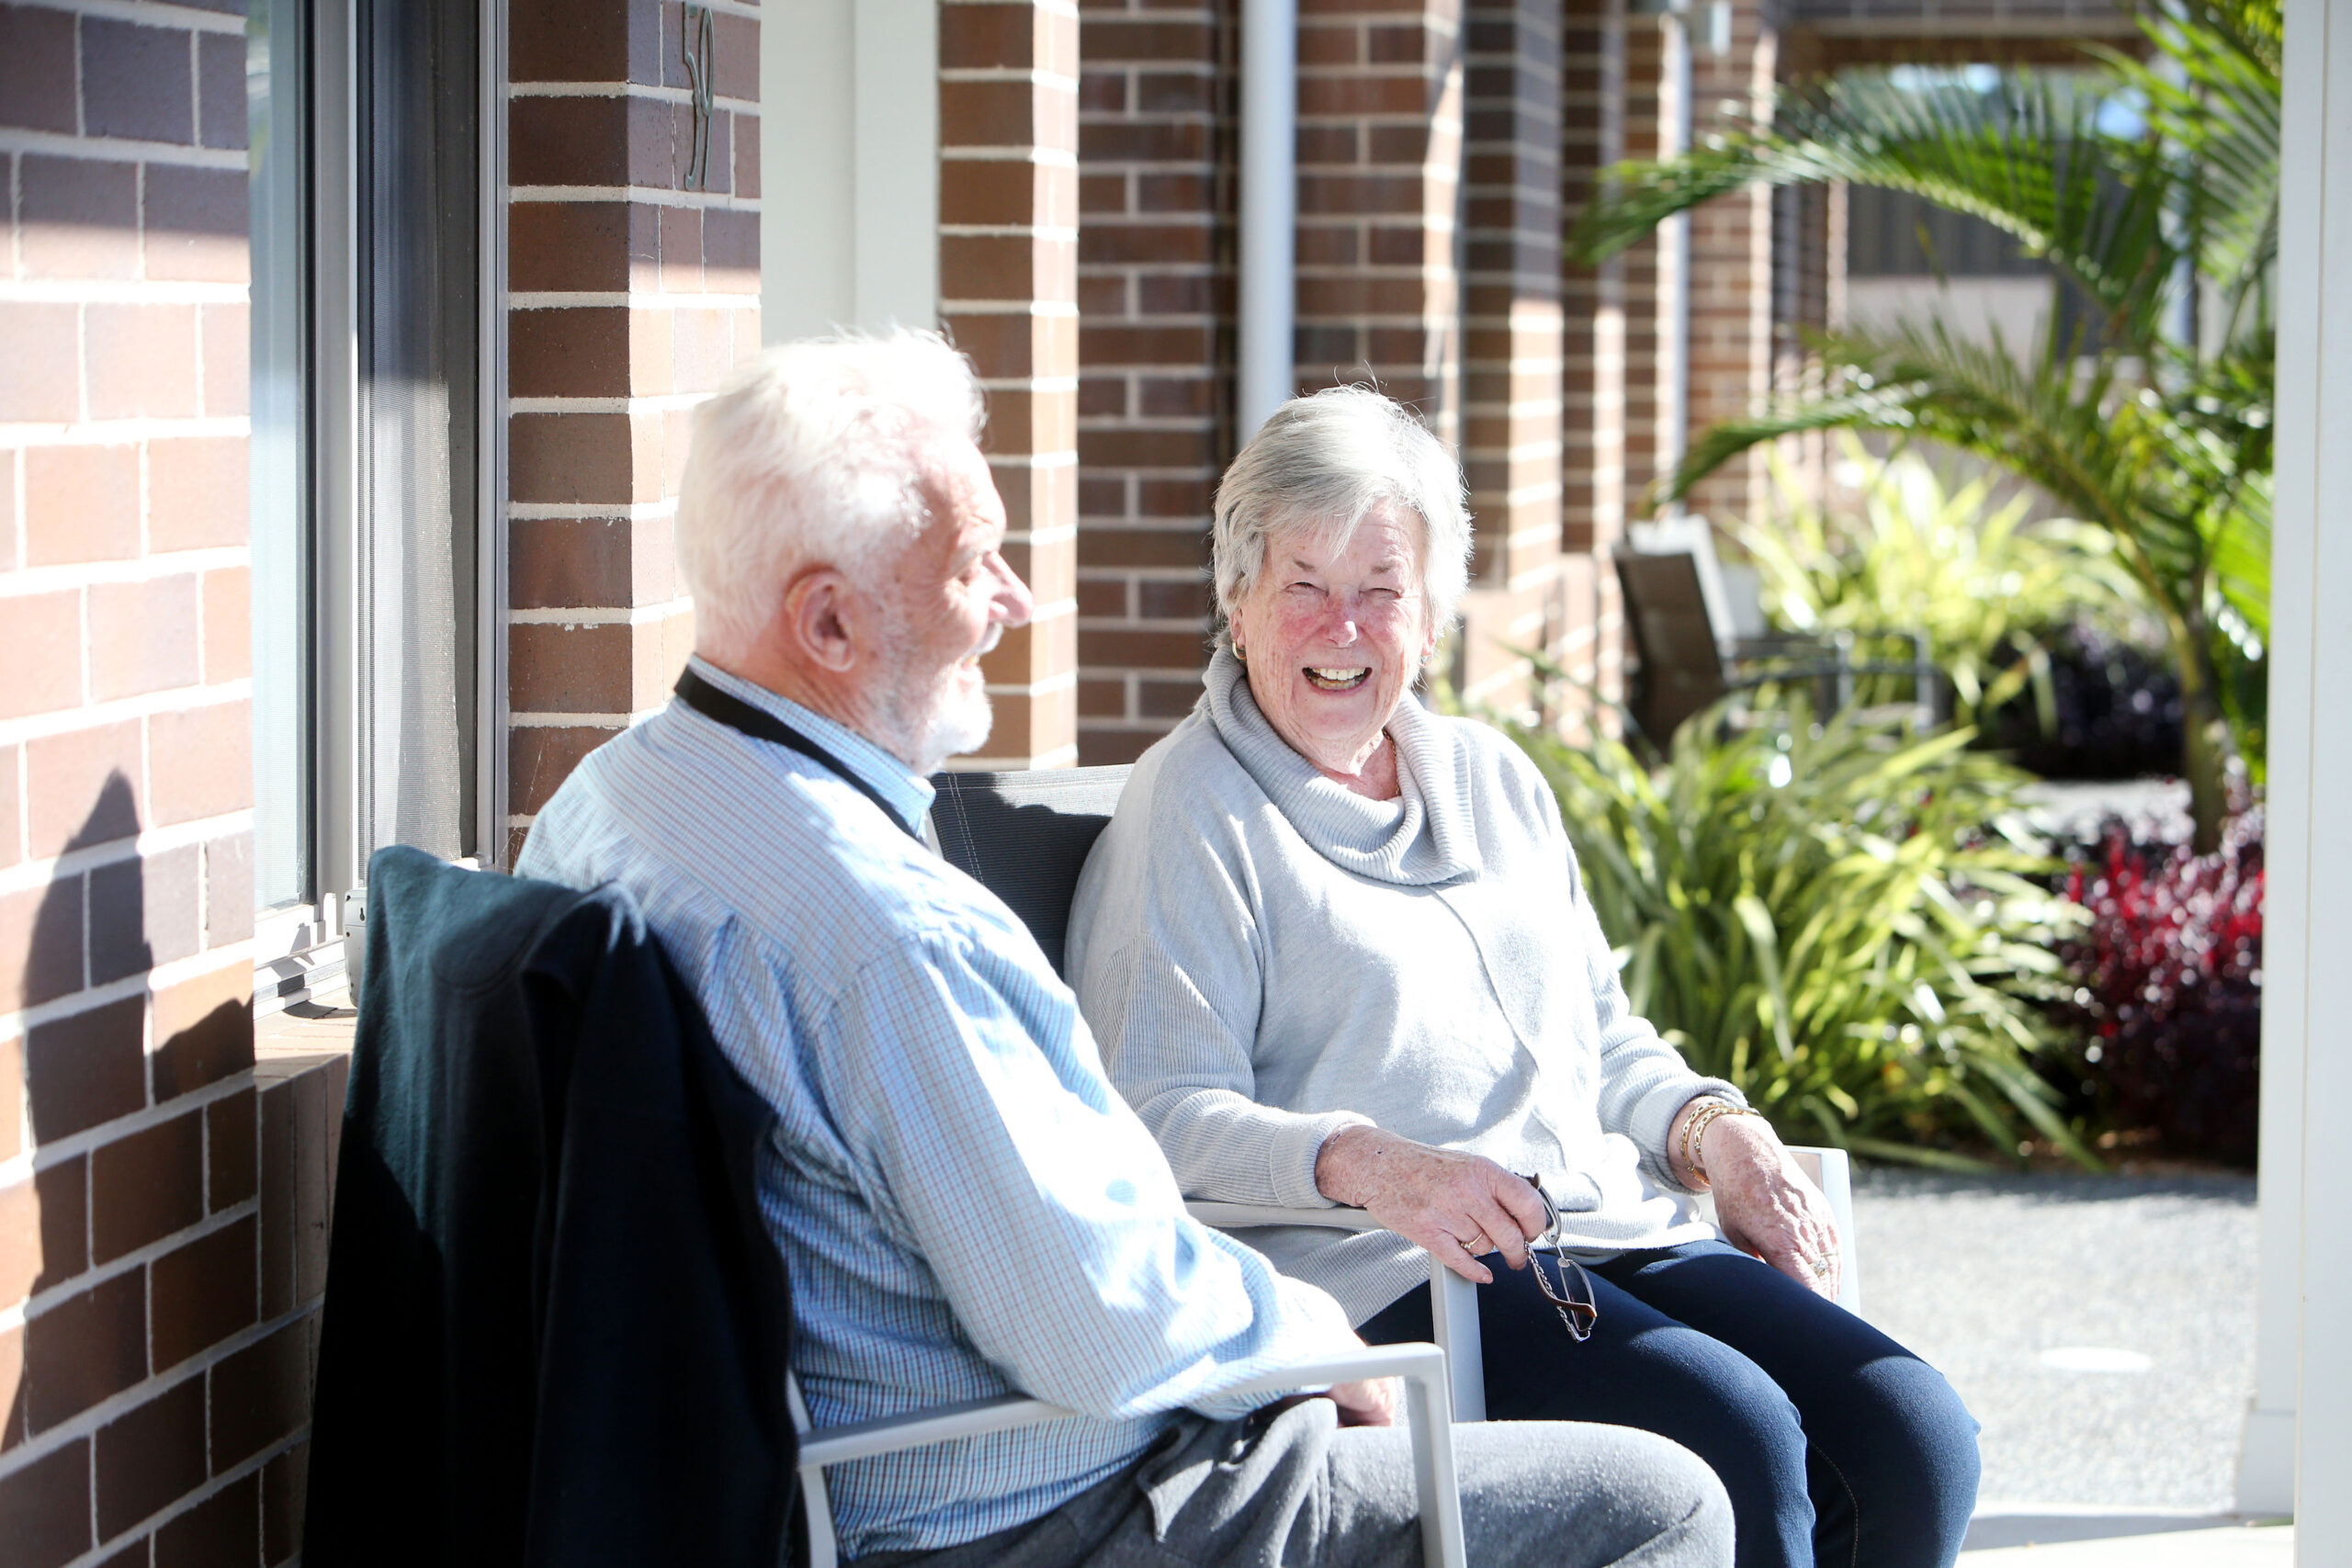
(378, 473)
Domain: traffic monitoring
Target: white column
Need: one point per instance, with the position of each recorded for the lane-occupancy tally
(2307, 1025)
(1264, 378)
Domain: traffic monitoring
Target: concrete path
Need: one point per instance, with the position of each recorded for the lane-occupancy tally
(2101, 1329)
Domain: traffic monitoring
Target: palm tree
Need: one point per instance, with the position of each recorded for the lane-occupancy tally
(2158, 431)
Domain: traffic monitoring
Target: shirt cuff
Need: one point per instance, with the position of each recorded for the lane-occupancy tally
(1653, 1120)
(1295, 1149)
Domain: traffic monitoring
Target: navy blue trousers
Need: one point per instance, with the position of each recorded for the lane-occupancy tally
(1839, 1447)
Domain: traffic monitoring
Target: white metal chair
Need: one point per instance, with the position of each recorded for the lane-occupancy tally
(1423, 1368)
(1453, 1300)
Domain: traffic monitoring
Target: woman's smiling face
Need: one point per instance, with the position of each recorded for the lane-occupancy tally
(1332, 636)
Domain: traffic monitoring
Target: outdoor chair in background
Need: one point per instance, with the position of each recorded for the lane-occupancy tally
(1024, 836)
(556, 1329)
(1700, 633)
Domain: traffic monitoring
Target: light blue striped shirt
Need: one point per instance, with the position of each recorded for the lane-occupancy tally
(964, 1205)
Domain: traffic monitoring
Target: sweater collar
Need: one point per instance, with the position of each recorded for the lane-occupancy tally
(1423, 836)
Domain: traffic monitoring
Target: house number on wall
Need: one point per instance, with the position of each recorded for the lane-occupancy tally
(698, 43)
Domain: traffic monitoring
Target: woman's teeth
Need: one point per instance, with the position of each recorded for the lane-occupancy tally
(1336, 679)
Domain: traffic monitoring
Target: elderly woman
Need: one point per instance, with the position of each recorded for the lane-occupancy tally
(1336, 951)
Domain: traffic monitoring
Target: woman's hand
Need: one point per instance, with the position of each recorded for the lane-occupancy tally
(1764, 1204)
(1457, 1206)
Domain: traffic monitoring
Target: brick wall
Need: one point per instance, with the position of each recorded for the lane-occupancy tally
(154, 1327)
(1593, 111)
(1008, 287)
(1156, 284)
(635, 292)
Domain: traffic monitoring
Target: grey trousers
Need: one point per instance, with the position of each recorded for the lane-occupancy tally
(1289, 1488)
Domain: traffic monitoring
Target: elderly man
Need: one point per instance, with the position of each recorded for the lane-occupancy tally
(964, 1206)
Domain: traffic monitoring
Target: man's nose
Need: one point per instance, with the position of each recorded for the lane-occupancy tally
(1013, 604)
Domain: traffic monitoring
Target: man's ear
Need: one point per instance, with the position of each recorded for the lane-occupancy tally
(819, 621)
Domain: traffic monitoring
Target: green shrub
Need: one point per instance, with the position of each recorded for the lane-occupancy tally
(1981, 580)
(1842, 920)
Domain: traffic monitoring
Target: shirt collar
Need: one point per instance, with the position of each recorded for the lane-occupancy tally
(908, 793)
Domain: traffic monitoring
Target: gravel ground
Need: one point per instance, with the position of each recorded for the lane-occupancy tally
(1985, 1276)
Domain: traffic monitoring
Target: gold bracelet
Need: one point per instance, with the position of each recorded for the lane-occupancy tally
(1694, 1134)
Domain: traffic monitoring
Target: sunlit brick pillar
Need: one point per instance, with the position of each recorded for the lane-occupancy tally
(151, 1366)
(1647, 302)
(1008, 286)
(1156, 256)
(1731, 339)
(1511, 359)
(1593, 427)
(1380, 106)
(635, 277)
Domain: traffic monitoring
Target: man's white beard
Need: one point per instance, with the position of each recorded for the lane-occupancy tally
(954, 724)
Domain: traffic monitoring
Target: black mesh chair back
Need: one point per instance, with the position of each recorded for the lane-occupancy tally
(1024, 837)
(1682, 664)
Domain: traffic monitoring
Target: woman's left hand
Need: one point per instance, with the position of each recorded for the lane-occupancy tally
(1765, 1205)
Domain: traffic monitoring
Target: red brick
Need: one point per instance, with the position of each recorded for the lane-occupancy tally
(143, 636)
(227, 332)
(88, 1068)
(228, 625)
(204, 1031)
(45, 1505)
(85, 1348)
(228, 890)
(558, 247)
(81, 503)
(285, 1485)
(542, 757)
(152, 1456)
(143, 361)
(554, 41)
(63, 1191)
(202, 1292)
(137, 82)
(12, 1388)
(43, 671)
(12, 839)
(555, 669)
(570, 353)
(79, 218)
(12, 1098)
(83, 788)
(144, 1187)
(220, 90)
(40, 943)
(197, 229)
(202, 761)
(36, 74)
(260, 1395)
(142, 913)
(232, 1131)
(572, 459)
(569, 141)
(568, 562)
(39, 379)
(197, 492)
(20, 1240)
(222, 1531)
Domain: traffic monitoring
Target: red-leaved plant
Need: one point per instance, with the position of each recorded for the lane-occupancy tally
(2168, 980)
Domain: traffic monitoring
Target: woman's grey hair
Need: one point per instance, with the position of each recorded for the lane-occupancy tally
(820, 452)
(1323, 462)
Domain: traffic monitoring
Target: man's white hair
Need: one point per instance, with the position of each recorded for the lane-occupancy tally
(821, 453)
(1322, 463)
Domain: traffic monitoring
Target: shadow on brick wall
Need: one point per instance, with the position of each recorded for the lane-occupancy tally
(140, 1289)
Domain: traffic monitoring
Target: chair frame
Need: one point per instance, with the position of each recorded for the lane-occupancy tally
(1453, 1300)
(1421, 1366)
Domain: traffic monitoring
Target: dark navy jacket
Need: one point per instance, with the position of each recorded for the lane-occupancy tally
(556, 1331)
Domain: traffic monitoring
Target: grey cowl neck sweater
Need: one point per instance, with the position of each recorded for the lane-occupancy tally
(1266, 957)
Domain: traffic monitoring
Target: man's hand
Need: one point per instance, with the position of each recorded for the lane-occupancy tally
(1459, 1207)
(1372, 1402)
(1765, 1205)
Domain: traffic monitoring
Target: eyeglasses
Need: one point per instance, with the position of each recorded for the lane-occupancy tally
(1561, 1278)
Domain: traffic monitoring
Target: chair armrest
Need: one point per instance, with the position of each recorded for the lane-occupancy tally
(1242, 1216)
(1423, 1368)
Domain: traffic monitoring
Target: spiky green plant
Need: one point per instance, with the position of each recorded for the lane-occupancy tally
(1829, 921)
(1983, 582)
(2162, 436)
